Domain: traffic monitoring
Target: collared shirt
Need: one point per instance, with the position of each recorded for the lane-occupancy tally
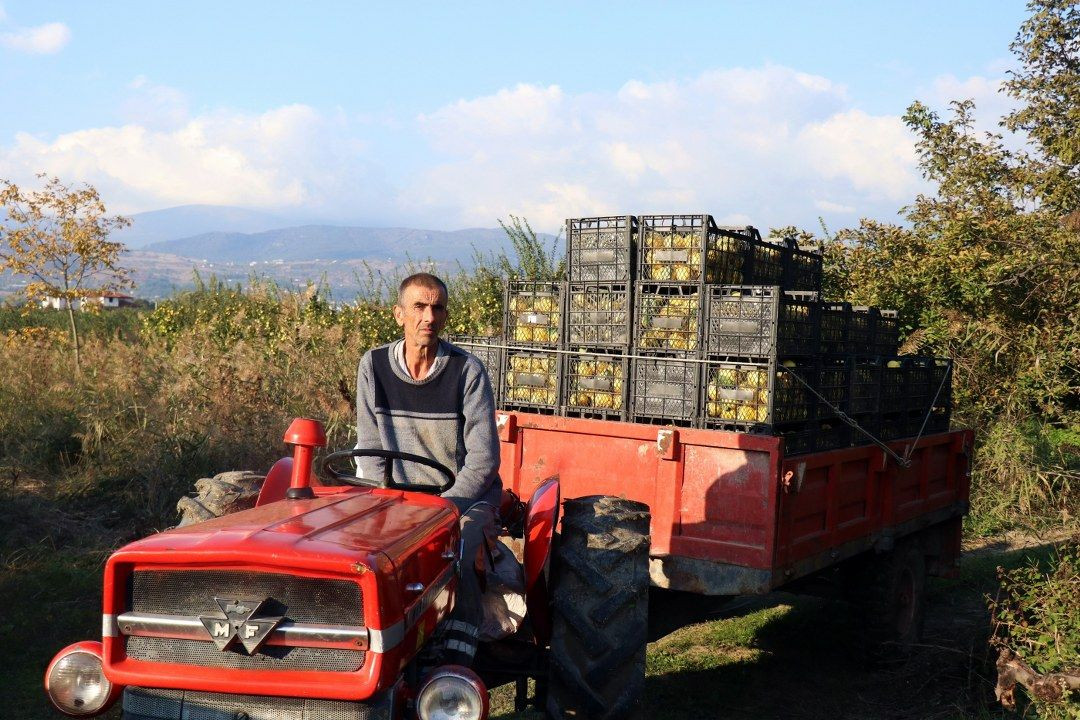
(399, 353)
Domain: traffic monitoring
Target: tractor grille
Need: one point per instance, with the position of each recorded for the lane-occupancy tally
(299, 599)
(269, 657)
(155, 704)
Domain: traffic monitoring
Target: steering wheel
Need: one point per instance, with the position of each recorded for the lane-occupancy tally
(388, 480)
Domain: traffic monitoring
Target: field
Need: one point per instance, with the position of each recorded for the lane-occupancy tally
(208, 380)
(778, 656)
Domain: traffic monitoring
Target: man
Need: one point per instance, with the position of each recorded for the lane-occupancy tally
(425, 396)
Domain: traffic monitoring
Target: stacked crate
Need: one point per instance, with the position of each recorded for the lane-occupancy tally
(598, 329)
(679, 257)
(532, 328)
(674, 320)
(759, 368)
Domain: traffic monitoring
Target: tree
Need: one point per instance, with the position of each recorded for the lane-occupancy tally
(534, 260)
(58, 238)
(986, 269)
(1048, 87)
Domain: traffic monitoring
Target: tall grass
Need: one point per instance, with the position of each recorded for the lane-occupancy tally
(205, 382)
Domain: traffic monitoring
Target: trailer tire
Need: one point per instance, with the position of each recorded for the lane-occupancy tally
(890, 593)
(600, 612)
(225, 493)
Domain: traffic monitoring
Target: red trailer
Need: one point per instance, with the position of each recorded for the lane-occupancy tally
(731, 515)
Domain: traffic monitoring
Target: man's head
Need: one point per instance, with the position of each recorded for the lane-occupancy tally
(421, 309)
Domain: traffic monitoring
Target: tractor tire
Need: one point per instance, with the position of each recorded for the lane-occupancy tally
(889, 592)
(600, 610)
(225, 493)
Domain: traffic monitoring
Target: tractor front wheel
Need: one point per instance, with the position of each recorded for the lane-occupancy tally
(600, 581)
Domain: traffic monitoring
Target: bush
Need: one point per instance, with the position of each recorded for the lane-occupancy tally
(1037, 617)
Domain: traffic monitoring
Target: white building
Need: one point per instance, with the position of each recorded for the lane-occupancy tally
(107, 299)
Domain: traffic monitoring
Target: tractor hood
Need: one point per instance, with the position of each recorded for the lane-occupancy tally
(337, 565)
(339, 526)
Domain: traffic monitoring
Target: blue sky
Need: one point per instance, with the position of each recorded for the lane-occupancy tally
(450, 115)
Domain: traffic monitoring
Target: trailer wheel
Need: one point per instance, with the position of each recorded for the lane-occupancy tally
(600, 610)
(890, 592)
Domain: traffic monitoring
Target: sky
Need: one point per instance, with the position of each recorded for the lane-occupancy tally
(453, 114)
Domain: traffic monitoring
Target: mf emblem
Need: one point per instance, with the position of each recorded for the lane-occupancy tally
(240, 622)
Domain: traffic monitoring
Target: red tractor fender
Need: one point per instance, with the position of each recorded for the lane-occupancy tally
(541, 519)
(276, 483)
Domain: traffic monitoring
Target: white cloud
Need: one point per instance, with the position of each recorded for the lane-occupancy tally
(758, 145)
(39, 40)
(154, 105)
(289, 157)
(872, 154)
(769, 146)
(832, 207)
(991, 104)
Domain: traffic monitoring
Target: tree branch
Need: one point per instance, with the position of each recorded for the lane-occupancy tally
(1013, 671)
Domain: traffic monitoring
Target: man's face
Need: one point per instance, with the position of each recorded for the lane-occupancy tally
(421, 313)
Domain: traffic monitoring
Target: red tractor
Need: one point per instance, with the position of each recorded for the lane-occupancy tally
(320, 603)
(324, 602)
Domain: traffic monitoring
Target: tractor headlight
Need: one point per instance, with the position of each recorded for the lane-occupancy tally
(452, 692)
(75, 681)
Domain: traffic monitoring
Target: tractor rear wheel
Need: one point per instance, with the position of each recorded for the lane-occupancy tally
(600, 613)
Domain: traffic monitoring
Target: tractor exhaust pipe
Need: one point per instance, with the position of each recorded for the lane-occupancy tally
(304, 434)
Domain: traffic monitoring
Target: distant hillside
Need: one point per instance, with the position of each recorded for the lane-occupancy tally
(329, 242)
(187, 220)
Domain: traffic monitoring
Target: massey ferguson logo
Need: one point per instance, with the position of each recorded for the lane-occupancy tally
(239, 623)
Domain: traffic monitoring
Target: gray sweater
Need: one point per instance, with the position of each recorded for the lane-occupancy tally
(449, 416)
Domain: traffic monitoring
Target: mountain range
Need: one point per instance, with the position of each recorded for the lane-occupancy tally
(167, 248)
(331, 242)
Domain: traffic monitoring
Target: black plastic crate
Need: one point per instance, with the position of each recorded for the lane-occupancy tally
(756, 396)
(834, 377)
(894, 426)
(861, 324)
(832, 433)
(941, 375)
(532, 381)
(601, 249)
(894, 376)
(691, 248)
(799, 438)
(489, 351)
(803, 268)
(599, 315)
(596, 385)
(766, 262)
(533, 313)
(834, 320)
(866, 385)
(919, 392)
(664, 390)
(886, 336)
(758, 321)
(668, 317)
(871, 423)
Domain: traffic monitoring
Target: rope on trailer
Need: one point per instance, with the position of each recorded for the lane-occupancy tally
(929, 410)
(904, 462)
